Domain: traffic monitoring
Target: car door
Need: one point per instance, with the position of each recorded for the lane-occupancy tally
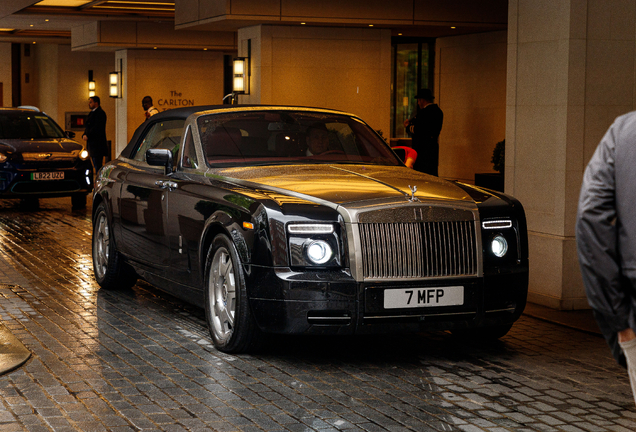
(144, 200)
(188, 209)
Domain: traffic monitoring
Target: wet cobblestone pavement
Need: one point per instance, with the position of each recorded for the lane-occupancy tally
(142, 360)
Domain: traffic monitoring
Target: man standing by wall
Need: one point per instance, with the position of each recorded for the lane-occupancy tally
(95, 133)
(146, 103)
(425, 128)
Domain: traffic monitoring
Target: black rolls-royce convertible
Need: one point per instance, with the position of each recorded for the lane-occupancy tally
(303, 221)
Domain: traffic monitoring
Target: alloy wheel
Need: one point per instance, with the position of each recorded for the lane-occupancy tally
(101, 247)
(222, 286)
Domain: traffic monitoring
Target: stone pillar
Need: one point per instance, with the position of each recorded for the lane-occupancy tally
(123, 129)
(570, 73)
(347, 69)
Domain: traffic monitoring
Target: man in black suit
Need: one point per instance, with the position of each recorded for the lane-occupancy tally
(425, 128)
(95, 133)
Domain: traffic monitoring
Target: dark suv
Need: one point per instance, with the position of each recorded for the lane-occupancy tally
(39, 160)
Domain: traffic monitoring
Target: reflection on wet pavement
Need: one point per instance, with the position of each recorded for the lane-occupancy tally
(141, 359)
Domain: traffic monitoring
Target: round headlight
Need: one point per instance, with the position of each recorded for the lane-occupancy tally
(499, 246)
(83, 155)
(319, 252)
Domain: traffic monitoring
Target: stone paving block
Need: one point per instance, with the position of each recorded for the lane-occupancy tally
(142, 359)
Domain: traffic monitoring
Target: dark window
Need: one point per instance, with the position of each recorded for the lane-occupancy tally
(287, 137)
(189, 152)
(28, 126)
(162, 135)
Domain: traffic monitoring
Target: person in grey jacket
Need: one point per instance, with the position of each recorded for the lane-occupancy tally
(606, 239)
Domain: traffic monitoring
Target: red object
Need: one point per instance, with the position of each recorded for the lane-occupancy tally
(410, 155)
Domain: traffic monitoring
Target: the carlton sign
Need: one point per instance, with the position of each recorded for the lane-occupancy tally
(175, 100)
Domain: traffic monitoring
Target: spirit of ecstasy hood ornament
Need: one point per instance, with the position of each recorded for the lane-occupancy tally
(413, 198)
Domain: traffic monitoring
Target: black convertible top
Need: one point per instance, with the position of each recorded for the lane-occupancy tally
(171, 114)
(185, 112)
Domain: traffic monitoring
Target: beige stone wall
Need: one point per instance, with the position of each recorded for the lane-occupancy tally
(570, 73)
(5, 74)
(48, 72)
(72, 85)
(172, 78)
(337, 68)
(470, 85)
(58, 82)
(28, 66)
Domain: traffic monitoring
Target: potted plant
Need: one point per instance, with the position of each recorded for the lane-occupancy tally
(494, 181)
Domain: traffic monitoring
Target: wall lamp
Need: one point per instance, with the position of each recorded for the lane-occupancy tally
(114, 78)
(241, 82)
(91, 84)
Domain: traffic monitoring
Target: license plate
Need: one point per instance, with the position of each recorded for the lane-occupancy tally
(423, 297)
(57, 175)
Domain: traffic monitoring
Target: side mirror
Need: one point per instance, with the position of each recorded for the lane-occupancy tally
(70, 134)
(160, 157)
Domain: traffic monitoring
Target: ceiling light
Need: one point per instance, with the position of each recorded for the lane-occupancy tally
(370, 25)
(453, 27)
(63, 3)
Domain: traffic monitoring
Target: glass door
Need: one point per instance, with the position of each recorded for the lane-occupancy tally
(411, 70)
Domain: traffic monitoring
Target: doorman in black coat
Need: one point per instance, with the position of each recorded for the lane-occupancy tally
(95, 133)
(425, 128)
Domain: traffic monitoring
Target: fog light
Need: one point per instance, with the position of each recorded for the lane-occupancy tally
(83, 155)
(499, 246)
(319, 252)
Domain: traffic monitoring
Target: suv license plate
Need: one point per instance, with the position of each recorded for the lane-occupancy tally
(57, 175)
(423, 297)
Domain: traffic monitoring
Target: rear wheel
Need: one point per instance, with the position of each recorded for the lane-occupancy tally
(110, 270)
(229, 317)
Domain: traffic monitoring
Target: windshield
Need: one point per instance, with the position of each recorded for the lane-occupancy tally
(287, 137)
(23, 125)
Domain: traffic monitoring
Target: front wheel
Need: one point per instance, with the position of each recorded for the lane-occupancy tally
(110, 270)
(229, 317)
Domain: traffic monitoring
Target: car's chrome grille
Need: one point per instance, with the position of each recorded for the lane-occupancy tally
(418, 250)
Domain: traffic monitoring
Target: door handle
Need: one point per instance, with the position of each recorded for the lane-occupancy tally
(166, 184)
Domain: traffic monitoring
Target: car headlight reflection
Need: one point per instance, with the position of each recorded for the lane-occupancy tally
(319, 252)
(83, 155)
(499, 246)
(3, 157)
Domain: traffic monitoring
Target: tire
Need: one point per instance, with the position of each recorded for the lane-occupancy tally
(78, 201)
(484, 334)
(110, 271)
(227, 310)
